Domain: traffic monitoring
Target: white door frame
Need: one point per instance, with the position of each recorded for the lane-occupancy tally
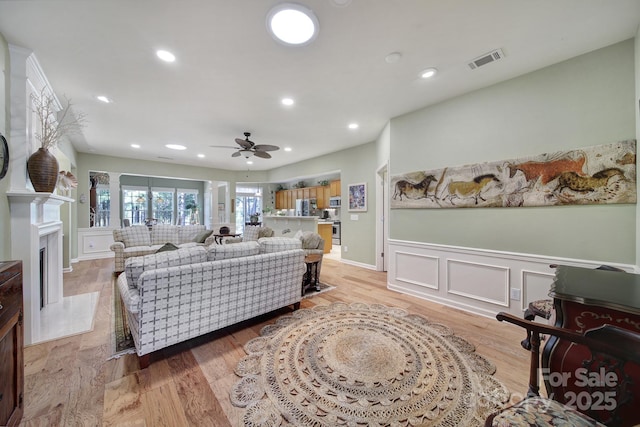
(382, 210)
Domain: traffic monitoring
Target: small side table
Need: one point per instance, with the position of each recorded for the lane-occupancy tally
(218, 238)
(310, 278)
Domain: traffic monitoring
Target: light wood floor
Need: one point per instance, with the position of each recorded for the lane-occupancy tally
(70, 382)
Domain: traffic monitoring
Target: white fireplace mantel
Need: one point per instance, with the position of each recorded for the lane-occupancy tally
(35, 223)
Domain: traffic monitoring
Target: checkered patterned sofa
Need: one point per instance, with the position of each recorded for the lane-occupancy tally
(173, 296)
(139, 240)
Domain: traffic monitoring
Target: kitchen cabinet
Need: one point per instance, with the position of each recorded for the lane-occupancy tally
(335, 188)
(286, 199)
(280, 200)
(325, 230)
(291, 199)
(323, 203)
(11, 344)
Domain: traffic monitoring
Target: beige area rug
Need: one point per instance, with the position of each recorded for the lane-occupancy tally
(121, 340)
(363, 365)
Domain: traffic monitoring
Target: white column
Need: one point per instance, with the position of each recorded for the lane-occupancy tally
(18, 141)
(114, 200)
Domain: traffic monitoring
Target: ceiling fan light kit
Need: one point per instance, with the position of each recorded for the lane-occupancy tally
(249, 148)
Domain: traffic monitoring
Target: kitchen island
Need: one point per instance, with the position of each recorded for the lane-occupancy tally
(288, 226)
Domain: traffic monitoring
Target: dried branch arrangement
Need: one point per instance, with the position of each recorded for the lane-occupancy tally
(54, 126)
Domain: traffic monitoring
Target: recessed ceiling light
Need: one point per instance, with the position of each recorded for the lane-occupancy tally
(429, 72)
(341, 3)
(176, 146)
(201, 156)
(292, 24)
(104, 99)
(135, 145)
(393, 57)
(353, 126)
(287, 148)
(249, 162)
(166, 55)
(287, 101)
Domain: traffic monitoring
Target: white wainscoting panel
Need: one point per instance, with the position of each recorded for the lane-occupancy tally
(535, 286)
(481, 281)
(94, 243)
(418, 269)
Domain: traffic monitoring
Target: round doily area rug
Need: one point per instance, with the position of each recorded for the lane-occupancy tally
(363, 365)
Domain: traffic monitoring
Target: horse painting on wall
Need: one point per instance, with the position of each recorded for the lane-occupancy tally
(602, 174)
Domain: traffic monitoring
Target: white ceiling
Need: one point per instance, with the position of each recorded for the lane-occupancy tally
(230, 74)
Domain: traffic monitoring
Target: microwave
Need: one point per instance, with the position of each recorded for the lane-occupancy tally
(334, 202)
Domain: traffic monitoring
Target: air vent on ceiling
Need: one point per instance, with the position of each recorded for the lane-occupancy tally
(487, 58)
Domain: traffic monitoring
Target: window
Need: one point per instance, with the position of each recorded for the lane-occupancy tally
(162, 205)
(188, 207)
(134, 202)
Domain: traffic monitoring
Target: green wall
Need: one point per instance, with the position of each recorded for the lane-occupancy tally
(5, 218)
(585, 101)
(92, 162)
(356, 165)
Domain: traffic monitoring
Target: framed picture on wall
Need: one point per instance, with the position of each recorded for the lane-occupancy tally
(358, 197)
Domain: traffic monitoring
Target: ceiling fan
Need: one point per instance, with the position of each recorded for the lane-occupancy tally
(249, 148)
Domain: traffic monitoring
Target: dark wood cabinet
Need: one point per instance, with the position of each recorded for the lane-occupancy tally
(11, 344)
(585, 299)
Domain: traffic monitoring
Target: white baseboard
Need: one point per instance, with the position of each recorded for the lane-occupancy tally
(358, 264)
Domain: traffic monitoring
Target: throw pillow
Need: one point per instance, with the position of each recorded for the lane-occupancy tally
(265, 232)
(202, 236)
(167, 247)
(310, 240)
(298, 235)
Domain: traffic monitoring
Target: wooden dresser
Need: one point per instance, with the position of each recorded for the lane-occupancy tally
(585, 299)
(11, 344)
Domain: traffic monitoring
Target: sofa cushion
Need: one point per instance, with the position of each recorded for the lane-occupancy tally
(164, 233)
(250, 233)
(242, 249)
(135, 266)
(278, 244)
(201, 237)
(138, 235)
(310, 240)
(187, 233)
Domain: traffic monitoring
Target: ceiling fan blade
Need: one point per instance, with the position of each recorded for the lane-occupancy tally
(265, 147)
(236, 154)
(223, 146)
(262, 154)
(244, 143)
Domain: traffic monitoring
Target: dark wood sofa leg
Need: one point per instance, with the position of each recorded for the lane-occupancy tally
(144, 360)
(296, 305)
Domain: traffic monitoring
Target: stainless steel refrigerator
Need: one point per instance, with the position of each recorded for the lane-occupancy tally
(302, 207)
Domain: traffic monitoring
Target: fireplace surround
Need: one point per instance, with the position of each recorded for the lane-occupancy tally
(37, 218)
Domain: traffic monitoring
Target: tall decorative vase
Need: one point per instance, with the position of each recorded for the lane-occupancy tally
(42, 167)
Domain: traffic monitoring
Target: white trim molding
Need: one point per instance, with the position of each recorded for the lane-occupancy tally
(94, 243)
(480, 281)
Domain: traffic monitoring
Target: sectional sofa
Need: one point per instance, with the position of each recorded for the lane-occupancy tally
(170, 297)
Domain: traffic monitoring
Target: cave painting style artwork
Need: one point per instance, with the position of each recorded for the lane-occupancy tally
(603, 174)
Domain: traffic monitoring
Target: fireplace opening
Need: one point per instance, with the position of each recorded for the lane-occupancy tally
(43, 275)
